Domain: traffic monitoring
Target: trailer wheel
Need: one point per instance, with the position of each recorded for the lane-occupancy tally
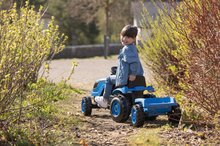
(175, 115)
(137, 116)
(152, 118)
(86, 106)
(149, 96)
(120, 109)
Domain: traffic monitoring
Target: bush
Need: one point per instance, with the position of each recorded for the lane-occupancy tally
(202, 19)
(24, 46)
(161, 51)
(183, 52)
(42, 121)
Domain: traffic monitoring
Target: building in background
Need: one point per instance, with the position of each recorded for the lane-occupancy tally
(46, 18)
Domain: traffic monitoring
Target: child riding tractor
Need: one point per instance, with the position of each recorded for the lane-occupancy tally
(129, 101)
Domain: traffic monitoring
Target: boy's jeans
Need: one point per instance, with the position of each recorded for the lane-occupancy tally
(110, 81)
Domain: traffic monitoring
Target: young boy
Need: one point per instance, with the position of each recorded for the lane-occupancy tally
(129, 65)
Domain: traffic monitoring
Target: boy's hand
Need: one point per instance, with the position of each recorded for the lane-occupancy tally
(132, 77)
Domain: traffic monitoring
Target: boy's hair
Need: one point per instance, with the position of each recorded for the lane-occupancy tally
(129, 31)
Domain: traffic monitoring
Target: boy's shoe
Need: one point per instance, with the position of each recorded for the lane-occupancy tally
(101, 101)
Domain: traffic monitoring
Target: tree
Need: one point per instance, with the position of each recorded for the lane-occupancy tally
(78, 31)
(85, 21)
(116, 13)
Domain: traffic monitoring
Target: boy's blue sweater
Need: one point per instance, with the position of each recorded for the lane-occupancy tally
(128, 64)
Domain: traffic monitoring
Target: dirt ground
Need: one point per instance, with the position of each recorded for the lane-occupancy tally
(99, 129)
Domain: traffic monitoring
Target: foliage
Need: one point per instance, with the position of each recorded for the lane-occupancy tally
(203, 21)
(183, 51)
(119, 14)
(36, 3)
(42, 122)
(146, 137)
(161, 51)
(83, 21)
(78, 31)
(7, 4)
(24, 46)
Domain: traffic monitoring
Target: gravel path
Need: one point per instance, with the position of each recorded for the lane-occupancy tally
(87, 71)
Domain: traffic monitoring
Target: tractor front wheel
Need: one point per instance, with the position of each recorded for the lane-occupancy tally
(86, 106)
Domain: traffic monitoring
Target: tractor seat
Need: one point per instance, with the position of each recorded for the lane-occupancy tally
(139, 81)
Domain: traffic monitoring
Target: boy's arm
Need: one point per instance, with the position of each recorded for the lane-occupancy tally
(133, 71)
(133, 68)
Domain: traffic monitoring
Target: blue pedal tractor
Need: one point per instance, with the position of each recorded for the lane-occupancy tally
(129, 101)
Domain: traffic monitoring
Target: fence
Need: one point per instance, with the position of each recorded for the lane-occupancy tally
(85, 51)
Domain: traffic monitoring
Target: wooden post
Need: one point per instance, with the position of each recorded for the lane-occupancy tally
(106, 36)
(106, 46)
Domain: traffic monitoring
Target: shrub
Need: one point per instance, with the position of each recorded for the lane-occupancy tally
(43, 121)
(183, 52)
(24, 46)
(203, 21)
(161, 51)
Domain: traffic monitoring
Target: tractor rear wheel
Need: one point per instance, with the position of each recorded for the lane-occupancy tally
(120, 109)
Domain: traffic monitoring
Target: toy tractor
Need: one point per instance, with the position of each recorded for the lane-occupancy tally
(129, 101)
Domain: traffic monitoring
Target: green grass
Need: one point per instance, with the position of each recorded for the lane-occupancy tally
(47, 116)
(145, 137)
(149, 134)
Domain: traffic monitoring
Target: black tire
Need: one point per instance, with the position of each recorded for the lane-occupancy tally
(86, 106)
(175, 115)
(151, 118)
(120, 109)
(149, 96)
(137, 116)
